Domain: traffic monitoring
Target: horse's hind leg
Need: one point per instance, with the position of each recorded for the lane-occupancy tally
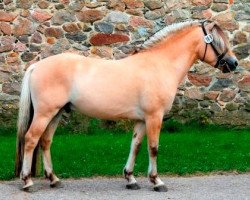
(153, 126)
(139, 132)
(37, 128)
(46, 141)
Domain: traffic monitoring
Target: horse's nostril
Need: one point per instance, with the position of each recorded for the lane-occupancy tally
(235, 63)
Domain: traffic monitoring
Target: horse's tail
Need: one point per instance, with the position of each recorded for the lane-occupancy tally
(24, 119)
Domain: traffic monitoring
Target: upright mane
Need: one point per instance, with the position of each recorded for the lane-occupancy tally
(165, 32)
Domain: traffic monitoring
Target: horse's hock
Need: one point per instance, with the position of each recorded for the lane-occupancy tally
(31, 30)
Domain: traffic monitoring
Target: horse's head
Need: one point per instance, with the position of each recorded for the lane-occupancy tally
(216, 48)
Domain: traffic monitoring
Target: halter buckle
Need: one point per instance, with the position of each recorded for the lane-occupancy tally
(208, 38)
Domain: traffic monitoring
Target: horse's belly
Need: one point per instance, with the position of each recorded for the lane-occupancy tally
(105, 92)
(106, 110)
(107, 106)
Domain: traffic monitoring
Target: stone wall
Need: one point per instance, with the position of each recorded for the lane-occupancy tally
(31, 30)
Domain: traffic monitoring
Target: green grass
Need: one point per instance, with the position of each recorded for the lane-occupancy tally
(183, 150)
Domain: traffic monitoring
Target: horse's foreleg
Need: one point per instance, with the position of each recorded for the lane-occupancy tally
(139, 132)
(46, 141)
(37, 127)
(153, 126)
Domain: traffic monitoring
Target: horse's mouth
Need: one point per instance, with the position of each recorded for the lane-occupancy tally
(226, 68)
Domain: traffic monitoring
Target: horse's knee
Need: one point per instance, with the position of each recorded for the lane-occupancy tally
(45, 143)
(30, 142)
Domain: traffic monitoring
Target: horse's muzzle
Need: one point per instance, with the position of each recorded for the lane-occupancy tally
(228, 64)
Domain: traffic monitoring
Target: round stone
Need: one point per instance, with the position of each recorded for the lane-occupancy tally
(53, 32)
(104, 27)
(89, 16)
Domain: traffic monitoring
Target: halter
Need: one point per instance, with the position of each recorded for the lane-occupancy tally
(208, 38)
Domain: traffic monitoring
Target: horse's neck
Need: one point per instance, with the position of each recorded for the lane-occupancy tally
(176, 54)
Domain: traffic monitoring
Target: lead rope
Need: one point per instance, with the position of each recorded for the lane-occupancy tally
(204, 53)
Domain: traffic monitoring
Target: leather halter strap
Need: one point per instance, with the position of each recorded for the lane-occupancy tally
(220, 60)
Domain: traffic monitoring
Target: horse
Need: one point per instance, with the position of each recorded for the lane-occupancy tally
(140, 87)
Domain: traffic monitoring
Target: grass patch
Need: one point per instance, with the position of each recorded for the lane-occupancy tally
(184, 149)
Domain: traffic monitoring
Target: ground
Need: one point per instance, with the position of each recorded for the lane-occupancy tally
(213, 187)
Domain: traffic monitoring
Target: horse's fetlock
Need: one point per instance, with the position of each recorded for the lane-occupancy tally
(127, 174)
(152, 178)
(25, 177)
(49, 175)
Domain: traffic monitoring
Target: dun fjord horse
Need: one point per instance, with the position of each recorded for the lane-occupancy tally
(141, 87)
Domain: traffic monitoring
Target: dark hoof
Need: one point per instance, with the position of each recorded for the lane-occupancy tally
(133, 186)
(161, 188)
(57, 184)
